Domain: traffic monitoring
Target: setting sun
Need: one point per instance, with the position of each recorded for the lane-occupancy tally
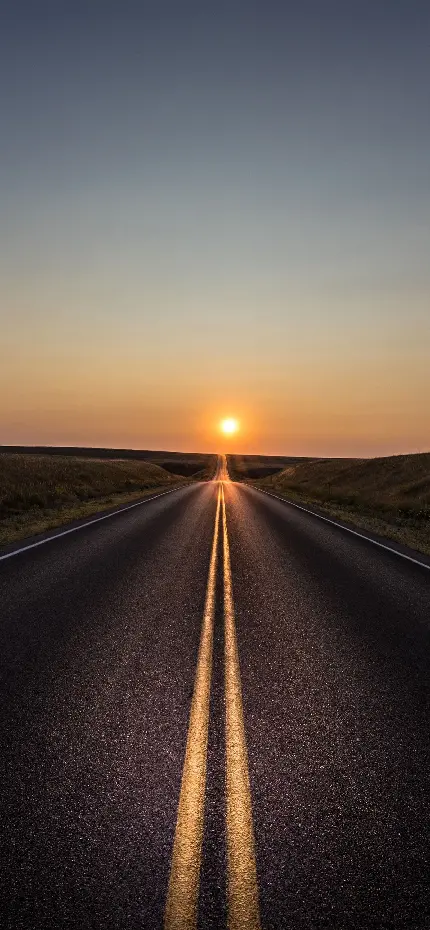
(229, 426)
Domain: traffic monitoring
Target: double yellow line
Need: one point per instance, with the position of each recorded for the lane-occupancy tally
(242, 887)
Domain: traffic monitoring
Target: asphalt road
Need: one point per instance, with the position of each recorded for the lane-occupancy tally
(292, 791)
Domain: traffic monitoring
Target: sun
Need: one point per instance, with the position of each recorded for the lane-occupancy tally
(229, 426)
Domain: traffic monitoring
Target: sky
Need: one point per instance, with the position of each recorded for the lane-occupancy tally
(216, 209)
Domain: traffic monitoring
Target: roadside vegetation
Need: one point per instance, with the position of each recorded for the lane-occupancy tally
(40, 492)
(387, 496)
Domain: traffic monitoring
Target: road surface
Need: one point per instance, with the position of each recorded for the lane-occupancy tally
(215, 712)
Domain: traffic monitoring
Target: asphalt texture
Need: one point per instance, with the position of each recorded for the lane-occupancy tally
(99, 637)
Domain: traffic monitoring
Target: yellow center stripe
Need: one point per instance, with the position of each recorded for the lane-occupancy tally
(243, 906)
(183, 892)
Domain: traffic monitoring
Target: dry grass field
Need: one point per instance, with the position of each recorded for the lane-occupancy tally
(196, 465)
(241, 467)
(389, 496)
(39, 492)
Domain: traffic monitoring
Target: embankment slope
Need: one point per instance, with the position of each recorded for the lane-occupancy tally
(389, 496)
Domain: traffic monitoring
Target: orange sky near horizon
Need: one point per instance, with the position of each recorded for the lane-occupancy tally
(334, 405)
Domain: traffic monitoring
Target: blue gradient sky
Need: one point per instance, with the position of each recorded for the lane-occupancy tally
(212, 209)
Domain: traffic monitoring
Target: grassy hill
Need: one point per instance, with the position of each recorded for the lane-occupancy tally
(390, 496)
(38, 492)
(242, 467)
(179, 463)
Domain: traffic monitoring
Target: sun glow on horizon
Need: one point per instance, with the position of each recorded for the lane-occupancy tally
(229, 426)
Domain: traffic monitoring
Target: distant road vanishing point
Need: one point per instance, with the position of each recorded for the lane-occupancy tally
(215, 714)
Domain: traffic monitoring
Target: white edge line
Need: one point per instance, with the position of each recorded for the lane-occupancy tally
(82, 526)
(346, 528)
